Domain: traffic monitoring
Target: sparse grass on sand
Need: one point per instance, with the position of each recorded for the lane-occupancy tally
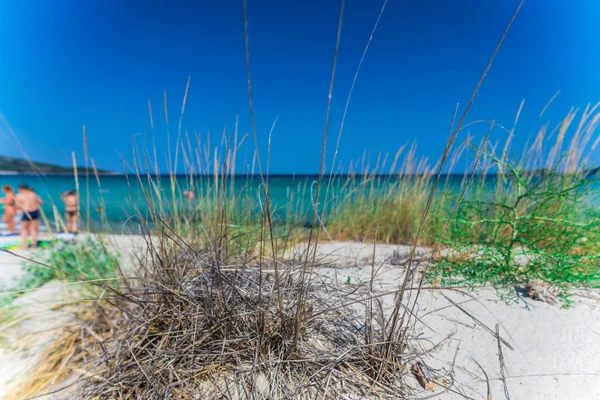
(87, 261)
(215, 311)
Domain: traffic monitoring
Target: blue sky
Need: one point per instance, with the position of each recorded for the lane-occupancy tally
(69, 63)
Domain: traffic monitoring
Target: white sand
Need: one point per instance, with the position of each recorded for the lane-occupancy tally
(556, 352)
(36, 328)
(38, 314)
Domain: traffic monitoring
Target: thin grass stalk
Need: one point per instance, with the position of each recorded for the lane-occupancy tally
(87, 179)
(103, 214)
(300, 306)
(347, 105)
(257, 155)
(370, 339)
(549, 103)
(76, 176)
(395, 315)
(156, 168)
(449, 218)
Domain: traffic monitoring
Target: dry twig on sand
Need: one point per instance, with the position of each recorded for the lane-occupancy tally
(502, 366)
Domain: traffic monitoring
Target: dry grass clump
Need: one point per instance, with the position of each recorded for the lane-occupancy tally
(52, 370)
(57, 370)
(194, 327)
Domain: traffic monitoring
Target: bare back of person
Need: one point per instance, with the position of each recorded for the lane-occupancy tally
(29, 202)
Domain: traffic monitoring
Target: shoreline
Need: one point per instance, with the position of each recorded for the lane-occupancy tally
(592, 172)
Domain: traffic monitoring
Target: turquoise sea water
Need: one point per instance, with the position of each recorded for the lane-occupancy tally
(121, 195)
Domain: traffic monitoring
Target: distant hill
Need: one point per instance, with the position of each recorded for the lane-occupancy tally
(9, 165)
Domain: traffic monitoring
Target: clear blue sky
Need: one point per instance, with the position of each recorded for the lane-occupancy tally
(68, 63)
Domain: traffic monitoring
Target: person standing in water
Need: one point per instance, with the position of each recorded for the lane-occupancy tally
(71, 200)
(10, 208)
(188, 194)
(190, 212)
(29, 202)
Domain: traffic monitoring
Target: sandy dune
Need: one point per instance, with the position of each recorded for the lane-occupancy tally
(38, 314)
(556, 351)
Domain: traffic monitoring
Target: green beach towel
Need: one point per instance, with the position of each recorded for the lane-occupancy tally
(16, 244)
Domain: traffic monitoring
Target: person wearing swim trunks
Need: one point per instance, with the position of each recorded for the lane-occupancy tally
(29, 202)
(71, 200)
(10, 208)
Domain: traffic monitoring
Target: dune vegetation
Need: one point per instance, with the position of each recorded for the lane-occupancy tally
(216, 307)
